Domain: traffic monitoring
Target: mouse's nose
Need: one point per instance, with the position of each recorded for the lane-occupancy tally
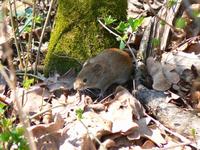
(78, 84)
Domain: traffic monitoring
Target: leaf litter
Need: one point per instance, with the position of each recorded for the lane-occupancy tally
(120, 122)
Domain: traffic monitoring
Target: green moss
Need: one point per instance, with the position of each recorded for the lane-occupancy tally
(77, 34)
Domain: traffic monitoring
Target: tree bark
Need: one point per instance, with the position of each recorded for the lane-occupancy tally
(78, 35)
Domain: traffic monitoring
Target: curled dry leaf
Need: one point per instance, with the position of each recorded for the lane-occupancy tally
(67, 106)
(124, 104)
(84, 143)
(163, 74)
(153, 134)
(170, 73)
(155, 69)
(47, 135)
(181, 61)
(77, 131)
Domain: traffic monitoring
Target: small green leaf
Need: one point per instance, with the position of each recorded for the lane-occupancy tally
(2, 105)
(27, 29)
(122, 44)
(125, 37)
(135, 23)
(122, 27)
(162, 22)
(196, 13)
(38, 19)
(27, 83)
(155, 42)
(23, 145)
(180, 23)
(20, 130)
(193, 131)
(2, 108)
(4, 137)
(6, 122)
(79, 113)
(171, 3)
(109, 20)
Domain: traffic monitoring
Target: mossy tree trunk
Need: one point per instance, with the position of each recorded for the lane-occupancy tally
(78, 35)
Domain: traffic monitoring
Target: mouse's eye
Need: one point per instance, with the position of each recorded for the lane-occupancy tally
(85, 80)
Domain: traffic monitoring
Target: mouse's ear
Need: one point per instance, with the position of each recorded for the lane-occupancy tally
(97, 68)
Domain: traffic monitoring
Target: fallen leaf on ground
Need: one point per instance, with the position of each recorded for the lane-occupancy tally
(124, 104)
(155, 69)
(48, 136)
(31, 101)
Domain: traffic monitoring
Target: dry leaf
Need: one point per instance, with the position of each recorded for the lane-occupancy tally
(155, 69)
(124, 104)
(47, 135)
(148, 145)
(170, 73)
(181, 61)
(31, 101)
(153, 134)
(77, 134)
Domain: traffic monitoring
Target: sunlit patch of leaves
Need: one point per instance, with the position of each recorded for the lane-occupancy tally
(27, 83)
(171, 3)
(79, 113)
(10, 135)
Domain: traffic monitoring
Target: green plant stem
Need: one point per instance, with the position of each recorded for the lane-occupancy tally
(14, 34)
(42, 35)
(30, 39)
(31, 75)
(103, 25)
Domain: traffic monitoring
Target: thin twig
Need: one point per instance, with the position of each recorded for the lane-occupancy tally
(42, 35)
(171, 147)
(182, 138)
(17, 31)
(103, 25)
(90, 133)
(31, 75)
(14, 34)
(44, 111)
(11, 80)
(134, 58)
